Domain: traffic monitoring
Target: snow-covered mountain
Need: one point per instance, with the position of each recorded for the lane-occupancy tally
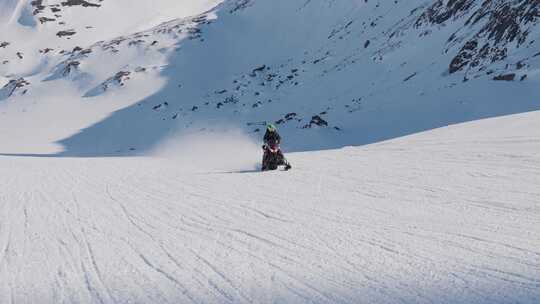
(126, 74)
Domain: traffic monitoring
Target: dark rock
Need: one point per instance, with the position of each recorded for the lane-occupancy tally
(44, 20)
(463, 57)
(238, 5)
(70, 67)
(499, 23)
(79, 2)
(441, 11)
(409, 77)
(13, 85)
(66, 33)
(290, 116)
(505, 77)
(38, 6)
(259, 69)
(319, 121)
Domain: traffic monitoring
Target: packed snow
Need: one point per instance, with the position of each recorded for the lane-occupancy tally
(446, 216)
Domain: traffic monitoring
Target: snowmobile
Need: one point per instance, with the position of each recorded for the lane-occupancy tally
(273, 157)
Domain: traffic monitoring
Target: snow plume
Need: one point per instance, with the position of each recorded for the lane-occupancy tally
(228, 150)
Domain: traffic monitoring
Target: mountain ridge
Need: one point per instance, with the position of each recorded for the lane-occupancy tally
(343, 80)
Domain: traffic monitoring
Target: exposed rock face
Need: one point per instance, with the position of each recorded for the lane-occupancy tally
(80, 2)
(38, 6)
(240, 5)
(118, 80)
(12, 87)
(66, 33)
(490, 27)
(316, 120)
(51, 11)
(70, 67)
(506, 77)
(444, 10)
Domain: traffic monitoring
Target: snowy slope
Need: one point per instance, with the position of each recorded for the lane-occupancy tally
(330, 73)
(447, 216)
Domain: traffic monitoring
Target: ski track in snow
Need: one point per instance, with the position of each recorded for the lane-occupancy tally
(447, 216)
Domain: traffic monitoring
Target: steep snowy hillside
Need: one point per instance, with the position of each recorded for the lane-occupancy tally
(329, 73)
(447, 216)
(36, 34)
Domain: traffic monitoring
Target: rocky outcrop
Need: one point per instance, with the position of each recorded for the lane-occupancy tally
(490, 28)
(240, 5)
(443, 10)
(80, 2)
(118, 80)
(506, 77)
(12, 87)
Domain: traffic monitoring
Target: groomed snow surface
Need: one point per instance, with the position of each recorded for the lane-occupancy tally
(447, 216)
(181, 214)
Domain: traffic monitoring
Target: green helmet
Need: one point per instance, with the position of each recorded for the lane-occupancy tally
(271, 128)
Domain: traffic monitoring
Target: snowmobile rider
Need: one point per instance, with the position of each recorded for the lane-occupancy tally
(272, 137)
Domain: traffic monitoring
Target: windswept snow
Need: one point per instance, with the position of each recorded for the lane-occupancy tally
(447, 216)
